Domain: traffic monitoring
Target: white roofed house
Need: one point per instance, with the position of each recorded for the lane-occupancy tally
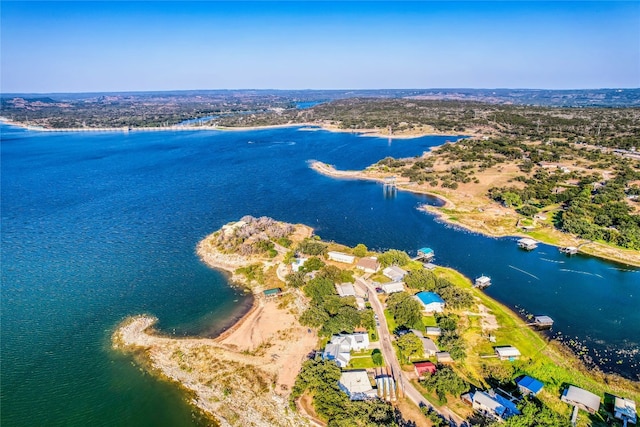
(491, 403)
(392, 287)
(395, 273)
(580, 399)
(341, 257)
(357, 385)
(340, 347)
(346, 290)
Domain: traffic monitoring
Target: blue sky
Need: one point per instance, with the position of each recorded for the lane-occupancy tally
(129, 46)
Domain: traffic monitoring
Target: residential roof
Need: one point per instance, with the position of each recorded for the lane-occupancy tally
(424, 367)
(496, 403)
(429, 297)
(625, 408)
(272, 291)
(507, 351)
(368, 263)
(527, 241)
(429, 346)
(425, 251)
(576, 395)
(443, 356)
(346, 290)
(394, 272)
(531, 384)
(356, 381)
(392, 287)
(433, 330)
(543, 319)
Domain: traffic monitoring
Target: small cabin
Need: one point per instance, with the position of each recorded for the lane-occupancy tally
(395, 273)
(341, 257)
(391, 287)
(527, 244)
(423, 368)
(507, 353)
(482, 282)
(433, 331)
(581, 399)
(444, 357)
(346, 290)
(529, 386)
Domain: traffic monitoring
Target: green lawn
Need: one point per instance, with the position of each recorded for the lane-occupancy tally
(362, 360)
(391, 322)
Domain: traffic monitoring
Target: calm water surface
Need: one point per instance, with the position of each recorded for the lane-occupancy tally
(97, 227)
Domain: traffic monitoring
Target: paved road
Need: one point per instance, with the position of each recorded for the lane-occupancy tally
(390, 357)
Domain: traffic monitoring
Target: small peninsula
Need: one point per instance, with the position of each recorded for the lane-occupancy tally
(275, 367)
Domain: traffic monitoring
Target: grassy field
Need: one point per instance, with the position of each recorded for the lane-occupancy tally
(362, 360)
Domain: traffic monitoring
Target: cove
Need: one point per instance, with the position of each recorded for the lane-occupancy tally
(100, 226)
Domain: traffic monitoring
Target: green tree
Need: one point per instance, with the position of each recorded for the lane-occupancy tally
(394, 257)
(445, 381)
(295, 279)
(421, 279)
(405, 310)
(312, 264)
(410, 345)
(360, 250)
(376, 357)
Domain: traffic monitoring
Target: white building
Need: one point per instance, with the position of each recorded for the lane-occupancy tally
(346, 290)
(394, 273)
(357, 385)
(340, 347)
(341, 257)
(430, 301)
(507, 353)
(392, 287)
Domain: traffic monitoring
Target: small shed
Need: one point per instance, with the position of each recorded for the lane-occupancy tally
(581, 398)
(527, 244)
(273, 292)
(625, 410)
(528, 385)
(507, 353)
(423, 368)
(429, 348)
(394, 273)
(444, 357)
(429, 266)
(357, 385)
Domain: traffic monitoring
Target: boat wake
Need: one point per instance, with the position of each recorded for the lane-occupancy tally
(525, 272)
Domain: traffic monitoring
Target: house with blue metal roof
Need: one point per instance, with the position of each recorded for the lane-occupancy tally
(430, 301)
(528, 385)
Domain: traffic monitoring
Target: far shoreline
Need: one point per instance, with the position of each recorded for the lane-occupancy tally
(330, 171)
(370, 133)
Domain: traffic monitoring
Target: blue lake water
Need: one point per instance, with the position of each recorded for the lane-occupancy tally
(100, 226)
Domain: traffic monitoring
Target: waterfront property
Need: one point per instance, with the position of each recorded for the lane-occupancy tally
(273, 292)
(482, 282)
(429, 266)
(346, 290)
(429, 348)
(569, 250)
(527, 244)
(529, 386)
(341, 257)
(507, 353)
(431, 302)
(392, 287)
(425, 254)
(625, 410)
(581, 399)
(423, 368)
(368, 265)
(492, 404)
(340, 347)
(357, 385)
(395, 273)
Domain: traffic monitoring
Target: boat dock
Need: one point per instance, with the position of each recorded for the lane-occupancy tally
(482, 282)
(542, 322)
(569, 250)
(527, 244)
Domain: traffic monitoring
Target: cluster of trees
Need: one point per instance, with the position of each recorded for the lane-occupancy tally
(405, 310)
(445, 382)
(320, 379)
(394, 257)
(534, 414)
(329, 312)
(450, 339)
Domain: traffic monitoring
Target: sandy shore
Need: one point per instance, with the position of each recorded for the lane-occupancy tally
(471, 212)
(244, 376)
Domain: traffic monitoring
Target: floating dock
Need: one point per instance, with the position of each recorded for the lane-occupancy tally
(482, 282)
(527, 244)
(542, 322)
